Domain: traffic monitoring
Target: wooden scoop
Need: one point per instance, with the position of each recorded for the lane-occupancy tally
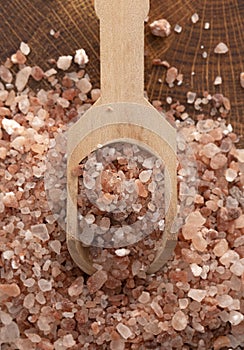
(122, 113)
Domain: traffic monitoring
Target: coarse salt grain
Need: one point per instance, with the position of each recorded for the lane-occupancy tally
(179, 321)
(218, 80)
(195, 18)
(122, 252)
(197, 294)
(124, 331)
(44, 285)
(64, 62)
(81, 57)
(24, 48)
(178, 28)
(40, 231)
(221, 48)
(160, 28)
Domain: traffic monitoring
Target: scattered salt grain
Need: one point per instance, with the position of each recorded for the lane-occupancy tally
(191, 96)
(171, 75)
(220, 248)
(81, 57)
(224, 300)
(22, 78)
(218, 80)
(178, 28)
(206, 25)
(221, 48)
(40, 231)
(64, 62)
(179, 321)
(24, 48)
(84, 85)
(195, 18)
(204, 54)
(5, 74)
(160, 28)
(124, 331)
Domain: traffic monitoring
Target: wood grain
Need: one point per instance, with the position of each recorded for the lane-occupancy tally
(31, 21)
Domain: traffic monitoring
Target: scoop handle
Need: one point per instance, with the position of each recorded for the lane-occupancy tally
(122, 49)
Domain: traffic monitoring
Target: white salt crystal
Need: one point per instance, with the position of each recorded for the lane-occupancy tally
(45, 285)
(230, 174)
(224, 300)
(29, 282)
(149, 162)
(122, 252)
(221, 48)
(218, 80)
(197, 294)
(195, 18)
(124, 331)
(144, 298)
(11, 126)
(206, 25)
(8, 254)
(64, 62)
(235, 318)
(40, 231)
(178, 28)
(196, 270)
(237, 268)
(145, 175)
(95, 94)
(55, 246)
(24, 48)
(81, 57)
(34, 338)
(68, 341)
(49, 73)
(204, 54)
(22, 78)
(84, 85)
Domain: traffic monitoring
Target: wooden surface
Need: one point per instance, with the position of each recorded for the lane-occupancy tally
(31, 21)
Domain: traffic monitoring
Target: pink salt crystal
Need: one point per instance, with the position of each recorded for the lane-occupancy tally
(197, 294)
(64, 62)
(37, 73)
(117, 344)
(5, 318)
(221, 247)
(11, 290)
(195, 219)
(6, 75)
(34, 338)
(29, 301)
(10, 200)
(24, 48)
(221, 48)
(22, 78)
(171, 75)
(160, 28)
(237, 268)
(145, 175)
(224, 300)
(55, 246)
(43, 324)
(11, 126)
(189, 231)
(68, 341)
(179, 321)
(230, 256)
(95, 94)
(44, 285)
(196, 269)
(221, 342)
(9, 333)
(81, 57)
(84, 85)
(123, 330)
(199, 242)
(210, 150)
(97, 280)
(18, 143)
(4, 112)
(3, 153)
(218, 161)
(40, 231)
(239, 222)
(76, 287)
(144, 298)
(183, 303)
(157, 308)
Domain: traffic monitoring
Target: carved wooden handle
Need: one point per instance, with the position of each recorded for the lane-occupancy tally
(122, 49)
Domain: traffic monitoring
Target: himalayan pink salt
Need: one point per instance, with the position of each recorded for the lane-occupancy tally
(37, 73)
(5, 318)
(11, 126)
(97, 280)
(196, 270)
(24, 48)
(55, 246)
(157, 308)
(171, 75)
(9, 333)
(199, 242)
(10, 200)
(221, 342)
(64, 62)
(230, 174)
(145, 175)
(40, 231)
(5, 74)
(195, 18)
(144, 298)
(76, 287)
(34, 338)
(3, 153)
(179, 321)
(29, 301)
(237, 268)
(221, 247)
(68, 341)
(197, 294)
(95, 94)
(160, 28)
(122, 252)
(221, 48)
(81, 57)
(22, 78)
(230, 256)
(224, 300)
(11, 290)
(183, 303)
(84, 85)
(45, 285)
(239, 222)
(117, 344)
(210, 150)
(195, 219)
(123, 330)
(218, 161)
